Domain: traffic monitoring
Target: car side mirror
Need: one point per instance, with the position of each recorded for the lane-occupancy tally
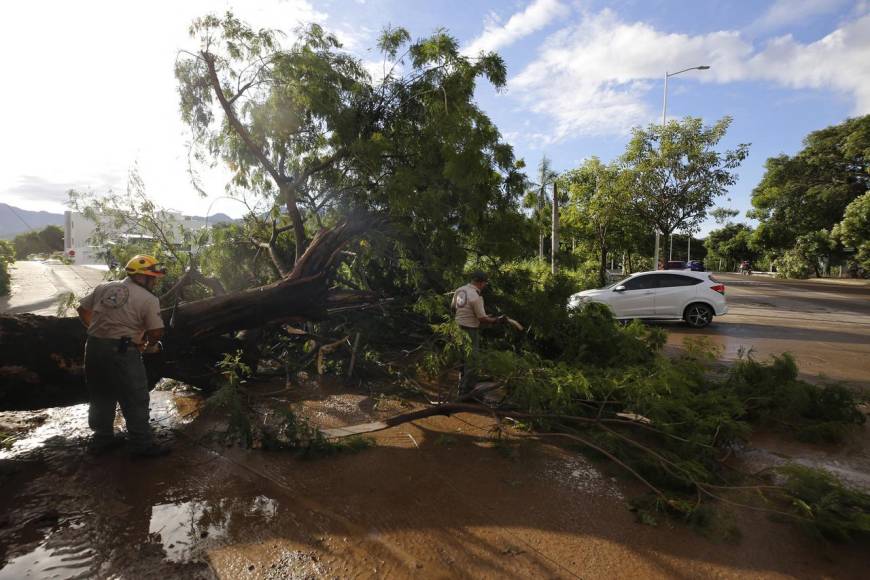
(619, 288)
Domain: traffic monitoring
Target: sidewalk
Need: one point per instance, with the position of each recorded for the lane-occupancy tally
(38, 287)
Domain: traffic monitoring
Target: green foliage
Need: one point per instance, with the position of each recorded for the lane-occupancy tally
(308, 129)
(591, 336)
(5, 279)
(229, 397)
(527, 291)
(806, 258)
(43, 242)
(690, 418)
(854, 229)
(732, 243)
(811, 190)
(676, 172)
(772, 394)
(723, 215)
(7, 252)
(7, 257)
(793, 264)
(232, 259)
(297, 434)
(828, 509)
(598, 196)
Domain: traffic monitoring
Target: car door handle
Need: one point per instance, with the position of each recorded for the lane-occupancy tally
(648, 293)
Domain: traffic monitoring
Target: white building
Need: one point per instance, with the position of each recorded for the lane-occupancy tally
(79, 230)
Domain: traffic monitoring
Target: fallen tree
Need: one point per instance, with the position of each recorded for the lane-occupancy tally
(41, 356)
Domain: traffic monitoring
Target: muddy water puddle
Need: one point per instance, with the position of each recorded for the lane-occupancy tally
(436, 498)
(33, 430)
(848, 461)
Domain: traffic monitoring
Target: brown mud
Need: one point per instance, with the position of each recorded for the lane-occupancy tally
(439, 498)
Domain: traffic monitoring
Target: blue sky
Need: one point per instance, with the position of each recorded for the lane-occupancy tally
(95, 94)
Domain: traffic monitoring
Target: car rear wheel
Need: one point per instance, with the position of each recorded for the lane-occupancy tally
(698, 315)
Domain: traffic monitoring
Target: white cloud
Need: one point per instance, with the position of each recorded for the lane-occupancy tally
(784, 13)
(536, 16)
(92, 91)
(595, 77)
(839, 61)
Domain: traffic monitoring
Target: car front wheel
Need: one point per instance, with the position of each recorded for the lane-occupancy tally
(698, 315)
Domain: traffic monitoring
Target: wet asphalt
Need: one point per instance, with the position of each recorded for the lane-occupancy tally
(824, 324)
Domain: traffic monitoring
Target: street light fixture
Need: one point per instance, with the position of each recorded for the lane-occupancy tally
(664, 120)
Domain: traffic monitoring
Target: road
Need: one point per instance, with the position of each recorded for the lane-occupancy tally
(39, 287)
(825, 324)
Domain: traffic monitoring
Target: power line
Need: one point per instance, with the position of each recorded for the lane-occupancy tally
(27, 225)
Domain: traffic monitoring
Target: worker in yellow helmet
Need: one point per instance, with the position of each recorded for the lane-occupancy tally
(123, 320)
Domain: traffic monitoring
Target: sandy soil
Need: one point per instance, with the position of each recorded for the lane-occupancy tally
(440, 498)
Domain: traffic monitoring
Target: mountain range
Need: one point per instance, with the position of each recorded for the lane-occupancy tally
(14, 220)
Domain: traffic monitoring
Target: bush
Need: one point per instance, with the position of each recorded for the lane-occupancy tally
(7, 252)
(773, 395)
(793, 264)
(591, 336)
(5, 279)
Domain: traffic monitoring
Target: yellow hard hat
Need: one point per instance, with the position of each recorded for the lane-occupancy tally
(144, 265)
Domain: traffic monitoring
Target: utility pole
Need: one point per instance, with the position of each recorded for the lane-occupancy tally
(555, 235)
(541, 231)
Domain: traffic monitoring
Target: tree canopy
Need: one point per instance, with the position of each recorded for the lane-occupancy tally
(598, 198)
(854, 229)
(810, 191)
(47, 240)
(678, 172)
(309, 129)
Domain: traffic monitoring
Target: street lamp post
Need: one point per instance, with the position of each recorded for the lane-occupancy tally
(664, 120)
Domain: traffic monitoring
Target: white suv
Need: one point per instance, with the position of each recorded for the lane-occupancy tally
(664, 294)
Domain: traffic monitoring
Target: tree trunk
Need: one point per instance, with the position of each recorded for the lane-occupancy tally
(554, 252)
(41, 356)
(602, 271)
(289, 196)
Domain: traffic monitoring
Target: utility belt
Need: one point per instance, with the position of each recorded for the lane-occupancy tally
(121, 344)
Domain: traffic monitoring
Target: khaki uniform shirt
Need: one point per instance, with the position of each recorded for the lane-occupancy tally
(468, 305)
(121, 309)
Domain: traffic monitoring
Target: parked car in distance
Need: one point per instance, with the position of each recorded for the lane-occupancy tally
(695, 297)
(675, 265)
(696, 266)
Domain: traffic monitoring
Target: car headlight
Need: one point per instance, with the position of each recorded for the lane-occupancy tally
(578, 301)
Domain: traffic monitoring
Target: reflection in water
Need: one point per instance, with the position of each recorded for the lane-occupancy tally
(168, 410)
(186, 529)
(51, 559)
(67, 422)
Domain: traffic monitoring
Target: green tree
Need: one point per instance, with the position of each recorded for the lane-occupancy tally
(723, 215)
(598, 200)
(45, 241)
(536, 198)
(677, 171)
(854, 229)
(7, 256)
(7, 252)
(732, 243)
(308, 129)
(810, 191)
